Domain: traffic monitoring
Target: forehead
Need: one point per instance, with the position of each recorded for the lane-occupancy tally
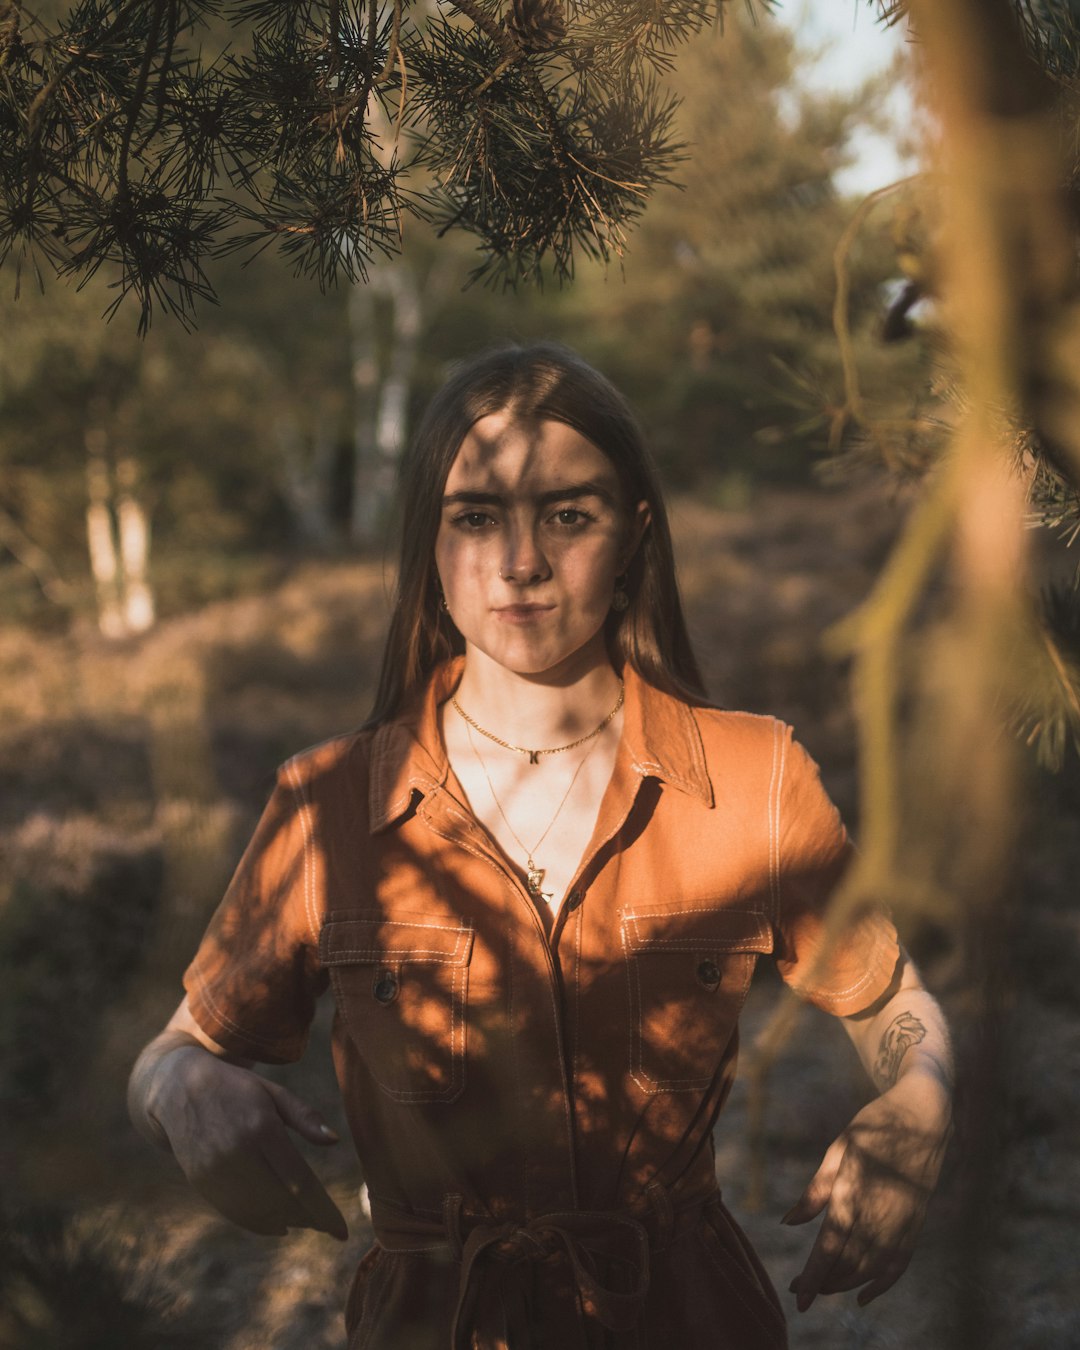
(503, 454)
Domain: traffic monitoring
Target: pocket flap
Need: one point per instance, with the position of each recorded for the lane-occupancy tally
(696, 930)
(376, 939)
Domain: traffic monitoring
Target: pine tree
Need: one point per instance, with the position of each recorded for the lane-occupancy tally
(127, 142)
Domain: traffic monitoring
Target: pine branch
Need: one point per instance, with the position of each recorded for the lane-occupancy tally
(122, 147)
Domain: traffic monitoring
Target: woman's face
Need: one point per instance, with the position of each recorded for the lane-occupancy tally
(532, 536)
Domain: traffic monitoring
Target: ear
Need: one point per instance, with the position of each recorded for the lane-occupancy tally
(639, 522)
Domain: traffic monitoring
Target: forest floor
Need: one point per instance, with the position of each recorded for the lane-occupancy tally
(129, 777)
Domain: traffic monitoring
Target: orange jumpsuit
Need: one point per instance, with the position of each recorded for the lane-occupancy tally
(532, 1098)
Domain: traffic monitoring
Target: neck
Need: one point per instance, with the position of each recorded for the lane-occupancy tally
(539, 710)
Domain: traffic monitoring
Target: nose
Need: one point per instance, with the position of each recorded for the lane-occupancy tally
(523, 562)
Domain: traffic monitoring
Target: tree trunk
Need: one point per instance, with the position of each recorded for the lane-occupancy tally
(101, 538)
(133, 527)
(118, 539)
(306, 470)
(389, 307)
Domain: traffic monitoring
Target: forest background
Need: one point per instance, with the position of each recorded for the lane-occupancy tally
(193, 585)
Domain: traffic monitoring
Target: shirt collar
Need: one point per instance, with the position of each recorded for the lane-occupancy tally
(660, 735)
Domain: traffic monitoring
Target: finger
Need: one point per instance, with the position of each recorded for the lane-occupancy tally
(306, 1190)
(830, 1242)
(248, 1193)
(847, 1272)
(298, 1115)
(816, 1196)
(881, 1283)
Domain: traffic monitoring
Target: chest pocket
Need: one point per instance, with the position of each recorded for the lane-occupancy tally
(401, 988)
(689, 972)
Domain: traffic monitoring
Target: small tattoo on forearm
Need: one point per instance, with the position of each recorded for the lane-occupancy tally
(904, 1031)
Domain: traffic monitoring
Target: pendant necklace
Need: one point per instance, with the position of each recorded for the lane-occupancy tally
(535, 875)
(534, 755)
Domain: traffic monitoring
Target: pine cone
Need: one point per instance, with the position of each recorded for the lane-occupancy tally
(538, 25)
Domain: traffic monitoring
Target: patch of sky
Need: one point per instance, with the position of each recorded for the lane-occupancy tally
(843, 43)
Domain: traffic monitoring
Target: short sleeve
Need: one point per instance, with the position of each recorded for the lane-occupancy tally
(843, 971)
(253, 983)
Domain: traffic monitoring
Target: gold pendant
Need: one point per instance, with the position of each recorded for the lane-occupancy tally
(534, 756)
(536, 876)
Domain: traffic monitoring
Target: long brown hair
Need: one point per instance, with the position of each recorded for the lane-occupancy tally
(544, 381)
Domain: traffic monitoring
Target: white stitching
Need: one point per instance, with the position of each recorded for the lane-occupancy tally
(391, 954)
(645, 1081)
(300, 794)
(659, 1084)
(208, 998)
(457, 1056)
(435, 955)
(776, 775)
(576, 1048)
(834, 995)
(697, 943)
(630, 1020)
(689, 909)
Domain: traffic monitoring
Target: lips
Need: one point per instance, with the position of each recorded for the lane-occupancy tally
(522, 612)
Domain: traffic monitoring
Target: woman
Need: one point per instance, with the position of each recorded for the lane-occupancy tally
(537, 881)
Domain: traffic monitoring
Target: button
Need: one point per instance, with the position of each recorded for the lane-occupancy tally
(574, 899)
(386, 986)
(709, 974)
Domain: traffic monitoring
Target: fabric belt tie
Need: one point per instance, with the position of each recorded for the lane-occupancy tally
(493, 1294)
(499, 1265)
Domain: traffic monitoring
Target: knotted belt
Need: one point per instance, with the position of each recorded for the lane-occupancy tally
(607, 1254)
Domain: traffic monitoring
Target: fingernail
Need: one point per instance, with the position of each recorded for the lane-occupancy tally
(329, 1133)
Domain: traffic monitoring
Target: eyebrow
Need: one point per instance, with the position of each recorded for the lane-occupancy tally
(562, 494)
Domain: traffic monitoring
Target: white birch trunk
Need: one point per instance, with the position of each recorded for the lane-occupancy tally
(118, 540)
(405, 329)
(133, 527)
(101, 537)
(365, 382)
(381, 393)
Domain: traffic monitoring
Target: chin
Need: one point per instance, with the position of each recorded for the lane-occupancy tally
(523, 658)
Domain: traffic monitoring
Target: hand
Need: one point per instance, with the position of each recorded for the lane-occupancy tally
(227, 1129)
(874, 1184)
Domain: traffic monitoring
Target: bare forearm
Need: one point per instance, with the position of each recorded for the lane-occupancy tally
(907, 1034)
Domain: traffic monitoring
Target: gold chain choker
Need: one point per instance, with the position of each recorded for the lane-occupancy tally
(534, 755)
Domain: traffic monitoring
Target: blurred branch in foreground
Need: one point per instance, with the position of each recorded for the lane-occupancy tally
(954, 650)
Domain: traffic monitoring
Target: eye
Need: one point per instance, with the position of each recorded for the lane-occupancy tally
(571, 516)
(473, 520)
